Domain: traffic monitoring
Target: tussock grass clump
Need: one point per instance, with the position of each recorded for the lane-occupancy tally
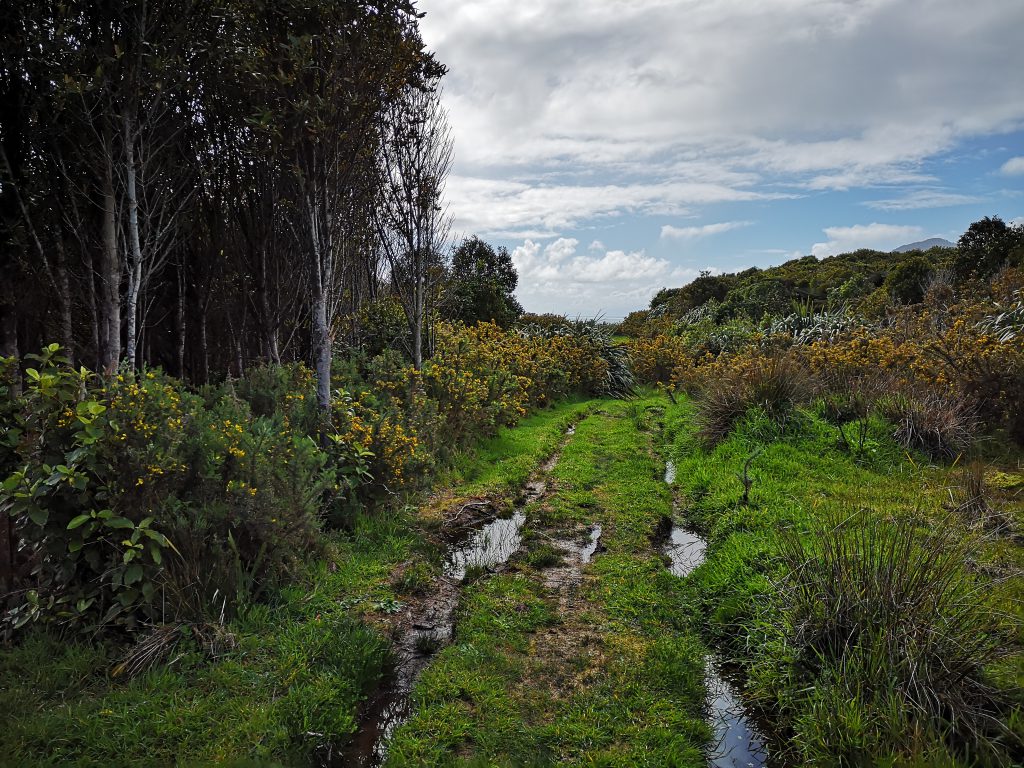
(776, 385)
(545, 556)
(941, 426)
(888, 618)
(972, 501)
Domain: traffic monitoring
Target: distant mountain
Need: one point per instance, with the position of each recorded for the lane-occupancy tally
(924, 245)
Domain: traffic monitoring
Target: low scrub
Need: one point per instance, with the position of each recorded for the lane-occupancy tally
(729, 388)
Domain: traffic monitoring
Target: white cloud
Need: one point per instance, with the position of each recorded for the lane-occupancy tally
(513, 209)
(923, 198)
(692, 233)
(555, 278)
(849, 90)
(574, 117)
(882, 237)
(1013, 167)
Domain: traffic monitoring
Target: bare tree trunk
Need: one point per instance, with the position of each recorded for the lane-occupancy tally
(321, 351)
(204, 351)
(135, 265)
(94, 312)
(268, 318)
(110, 274)
(320, 277)
(417, 330)
(64, 288)
(179, 323)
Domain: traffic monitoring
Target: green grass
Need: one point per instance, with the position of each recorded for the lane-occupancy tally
(837, 708)
(501, 464)
(301, 666)
(609, 678)
(609, 675)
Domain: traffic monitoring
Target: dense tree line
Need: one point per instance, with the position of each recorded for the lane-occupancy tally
(206, 184)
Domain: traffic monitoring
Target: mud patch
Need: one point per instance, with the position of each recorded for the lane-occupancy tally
(485, 547)
(572, 652)
(472, 536)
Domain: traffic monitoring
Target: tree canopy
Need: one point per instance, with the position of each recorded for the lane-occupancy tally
(482, 285)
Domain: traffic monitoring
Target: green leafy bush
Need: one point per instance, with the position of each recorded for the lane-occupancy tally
(135, 500)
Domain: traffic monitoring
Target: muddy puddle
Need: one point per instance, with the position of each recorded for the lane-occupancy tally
(425, 628)
(593, 542)
(485, 547)
(739, 738)
(428, 624)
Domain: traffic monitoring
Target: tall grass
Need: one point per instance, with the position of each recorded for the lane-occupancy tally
(942, 426)
(775, 384)
(888, 617)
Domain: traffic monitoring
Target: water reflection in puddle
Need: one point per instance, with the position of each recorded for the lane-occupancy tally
(738, 741)
(685, 550)
(485, 547)
(591, 546)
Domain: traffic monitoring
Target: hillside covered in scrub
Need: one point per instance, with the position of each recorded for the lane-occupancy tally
(867, 281)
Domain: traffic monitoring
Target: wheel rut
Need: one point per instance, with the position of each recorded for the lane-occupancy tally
(473, 536)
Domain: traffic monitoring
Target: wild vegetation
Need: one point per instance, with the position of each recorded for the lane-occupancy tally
(251, 393)
(854, 461)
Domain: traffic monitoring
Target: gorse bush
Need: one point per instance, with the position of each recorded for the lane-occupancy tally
(888, 616)
(611, 373)
(656, 358)
(959, 340)
(136, 500)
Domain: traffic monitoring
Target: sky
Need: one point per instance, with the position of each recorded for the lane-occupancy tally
(617, 147)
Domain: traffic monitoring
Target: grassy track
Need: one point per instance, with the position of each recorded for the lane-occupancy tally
(555, 661)
(843, 714)
(602, 672)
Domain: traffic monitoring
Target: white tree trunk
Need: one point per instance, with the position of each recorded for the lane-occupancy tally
(135, 253)
(110, 274)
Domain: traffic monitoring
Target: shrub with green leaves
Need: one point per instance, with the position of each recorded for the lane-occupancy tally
(134, 500)
(86, 558)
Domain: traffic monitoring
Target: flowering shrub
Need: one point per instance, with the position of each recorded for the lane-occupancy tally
(655, 358)
(136, 499)
(132, 498)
